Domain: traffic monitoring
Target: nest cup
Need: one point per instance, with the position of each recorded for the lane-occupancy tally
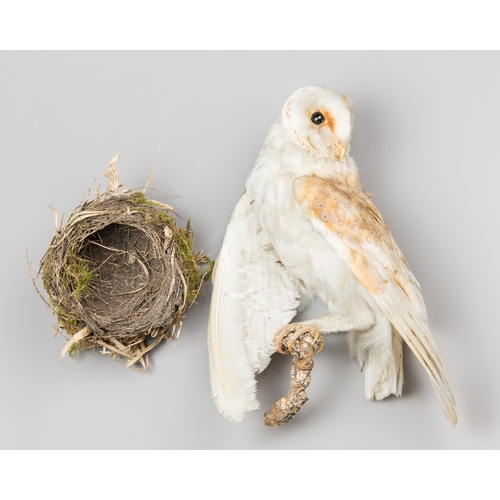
(120, 274)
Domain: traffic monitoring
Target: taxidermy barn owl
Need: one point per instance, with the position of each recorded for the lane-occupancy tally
(305, 228)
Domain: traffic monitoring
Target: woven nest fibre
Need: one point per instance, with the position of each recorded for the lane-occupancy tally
(120, 274)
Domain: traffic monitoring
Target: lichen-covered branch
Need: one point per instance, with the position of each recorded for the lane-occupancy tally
(302, 344)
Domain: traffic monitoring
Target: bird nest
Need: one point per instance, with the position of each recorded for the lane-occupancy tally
(120, 274)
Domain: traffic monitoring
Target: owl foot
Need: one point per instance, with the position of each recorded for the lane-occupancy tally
(302, 342)
(289, 334)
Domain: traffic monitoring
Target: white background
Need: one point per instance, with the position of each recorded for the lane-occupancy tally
(426, 142)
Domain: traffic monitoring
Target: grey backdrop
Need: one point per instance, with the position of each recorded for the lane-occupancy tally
(426, 140)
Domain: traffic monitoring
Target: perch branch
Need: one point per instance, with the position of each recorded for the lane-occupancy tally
(302, 348)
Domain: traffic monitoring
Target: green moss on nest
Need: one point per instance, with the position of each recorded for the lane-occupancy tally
(77, 276)
(184, 243)
(75, 350)
(139, 198)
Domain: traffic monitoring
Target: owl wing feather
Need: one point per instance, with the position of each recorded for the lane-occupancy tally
(253, 297)
(349, 221)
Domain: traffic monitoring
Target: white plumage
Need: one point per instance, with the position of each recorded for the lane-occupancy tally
(303, 228)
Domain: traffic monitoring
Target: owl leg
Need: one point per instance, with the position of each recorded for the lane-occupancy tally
(333, 323)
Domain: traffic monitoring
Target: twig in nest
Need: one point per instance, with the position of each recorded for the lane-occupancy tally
(302, 343)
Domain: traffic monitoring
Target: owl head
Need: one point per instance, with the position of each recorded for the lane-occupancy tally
(319, 120)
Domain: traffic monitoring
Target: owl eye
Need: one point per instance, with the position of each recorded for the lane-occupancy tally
(318, 118)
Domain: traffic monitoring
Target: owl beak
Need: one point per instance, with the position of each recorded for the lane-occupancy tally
(339, 148)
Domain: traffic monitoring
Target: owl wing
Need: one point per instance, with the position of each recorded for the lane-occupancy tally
(253, 297)
(349, 221)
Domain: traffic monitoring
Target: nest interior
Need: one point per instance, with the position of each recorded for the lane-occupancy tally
(120, 271)
(133, 278)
